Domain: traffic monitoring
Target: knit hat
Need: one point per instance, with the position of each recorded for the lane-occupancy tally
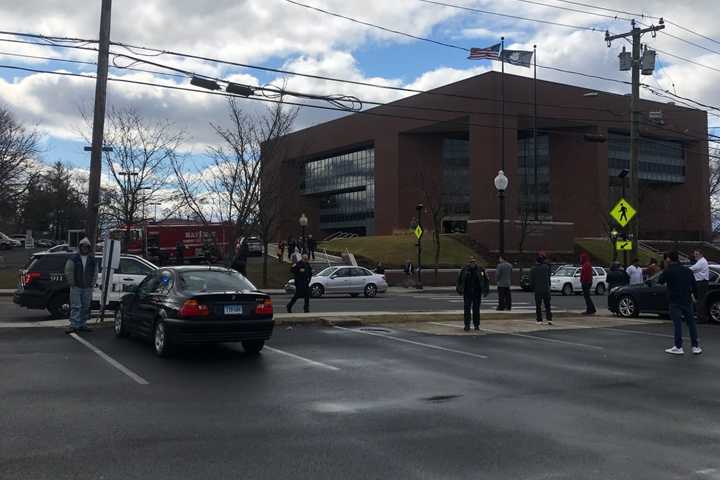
(84, 241)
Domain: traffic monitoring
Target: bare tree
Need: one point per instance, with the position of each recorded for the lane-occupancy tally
(431, 187)
(18, 148)
(714, 190)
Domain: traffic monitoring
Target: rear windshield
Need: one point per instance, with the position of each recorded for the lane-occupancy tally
(212, 281)
(49, 263)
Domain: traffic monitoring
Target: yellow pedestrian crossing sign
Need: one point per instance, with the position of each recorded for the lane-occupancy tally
(418, 232)
(623, 245)
(623, 212)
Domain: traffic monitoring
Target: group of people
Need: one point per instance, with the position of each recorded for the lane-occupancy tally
(296, 247)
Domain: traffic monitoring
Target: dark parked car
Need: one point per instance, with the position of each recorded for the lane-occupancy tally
(193, 305)
(651, 297)
(525, 278)
(42, 284)
(252, 245)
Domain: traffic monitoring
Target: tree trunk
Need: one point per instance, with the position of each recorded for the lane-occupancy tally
(265, 264)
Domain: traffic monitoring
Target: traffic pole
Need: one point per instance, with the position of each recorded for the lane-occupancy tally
(98, 122)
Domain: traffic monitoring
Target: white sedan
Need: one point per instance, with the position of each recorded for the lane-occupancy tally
(566, 280)
(344, 280)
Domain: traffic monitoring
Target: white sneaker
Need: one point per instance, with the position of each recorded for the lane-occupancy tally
(675, 351)
(697, 350)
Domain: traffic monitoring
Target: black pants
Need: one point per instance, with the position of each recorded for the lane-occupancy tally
(700, 307)
(541, 298)
(504, 298)
(589, 305)
(305, 295)
(472, 302)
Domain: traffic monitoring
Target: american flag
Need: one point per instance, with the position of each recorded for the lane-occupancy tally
(489, 53)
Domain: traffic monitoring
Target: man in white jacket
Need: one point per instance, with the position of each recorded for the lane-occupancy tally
(701, 272)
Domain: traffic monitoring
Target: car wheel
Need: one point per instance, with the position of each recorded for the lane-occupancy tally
(370, 290)
(627, 307)
(316, 290)
(714, 311)
(253, 347)
(600, 289)
(161, 340)
(119, 322)
(567, 289)
(59, 307)
(354, 295)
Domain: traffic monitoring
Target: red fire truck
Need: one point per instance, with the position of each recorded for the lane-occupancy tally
(158, 242)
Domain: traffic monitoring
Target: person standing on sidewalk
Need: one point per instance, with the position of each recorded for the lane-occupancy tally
(302, 272)
(81, 273)
(472, 284)
(409, 271)
(635, 273)
(701, 272)
(540, 283)
(311, 246)
(503, 279)
(681, 285)
(586, 281)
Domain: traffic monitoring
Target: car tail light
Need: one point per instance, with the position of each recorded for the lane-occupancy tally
(29, 277)
(191, 308)
(264, 307)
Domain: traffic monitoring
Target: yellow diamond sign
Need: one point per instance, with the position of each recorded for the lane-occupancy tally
(623, 212)
(623, 245)
(418, 232)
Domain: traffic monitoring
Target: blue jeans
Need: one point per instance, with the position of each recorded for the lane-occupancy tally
(679, 312)
(80, 300)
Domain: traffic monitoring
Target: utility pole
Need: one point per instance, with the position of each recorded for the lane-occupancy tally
(636, 34)
(98, 122)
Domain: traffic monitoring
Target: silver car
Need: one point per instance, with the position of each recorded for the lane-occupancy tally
(344, 280)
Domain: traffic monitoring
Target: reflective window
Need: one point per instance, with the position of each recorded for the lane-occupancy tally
(534, 177)
(455, 173)
(660, 160)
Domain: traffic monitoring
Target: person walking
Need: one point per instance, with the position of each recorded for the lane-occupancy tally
(81, 271)
(680, 285)
(701, 272)
(280, 250)
(540, 283)
(239, 263)
(302, 273)
(472, 284)
(179, 253)
(503, 279)
(380, 269)
(586, 281)
(409, 271)
(312, 246)
(635, 273)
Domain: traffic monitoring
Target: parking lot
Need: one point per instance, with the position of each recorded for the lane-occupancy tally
(402, 401)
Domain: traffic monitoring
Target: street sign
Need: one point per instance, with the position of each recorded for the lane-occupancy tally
(623, 245)
(418, 232)
(623, 212)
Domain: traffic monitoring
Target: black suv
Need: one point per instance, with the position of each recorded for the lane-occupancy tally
(43, 286)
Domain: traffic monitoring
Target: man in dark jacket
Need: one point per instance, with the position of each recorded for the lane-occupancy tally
(239, 262)
(680, 285)
(540, 283)
(503, 280)
(81, 271)
(311, 246)
(472, 284)
(617, 277)
(586, 281)
(302, 272)
(179, 253)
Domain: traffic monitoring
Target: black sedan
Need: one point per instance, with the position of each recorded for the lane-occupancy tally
(651, 297)
(193, 305)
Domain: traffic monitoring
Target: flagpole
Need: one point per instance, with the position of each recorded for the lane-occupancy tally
(502, 100)
(535, 163)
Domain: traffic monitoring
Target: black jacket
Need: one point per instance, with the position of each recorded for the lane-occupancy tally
(302, 272)
(473, 282)
(540, 278)
(617, 278)
(680, 284)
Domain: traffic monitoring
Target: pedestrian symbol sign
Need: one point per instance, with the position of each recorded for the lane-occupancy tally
(623, 245)
(418, 232)
(623, 212)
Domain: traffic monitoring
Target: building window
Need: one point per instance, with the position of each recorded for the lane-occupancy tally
(660, 160)
(534, 177)
(455, 193)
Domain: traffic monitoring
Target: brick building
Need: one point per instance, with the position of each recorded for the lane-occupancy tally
(365, 173)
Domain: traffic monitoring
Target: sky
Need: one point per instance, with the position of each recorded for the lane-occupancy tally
(280, 34)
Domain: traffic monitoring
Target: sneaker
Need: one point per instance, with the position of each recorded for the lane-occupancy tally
(549, 322)
(85, 328)
(467, 329)
(539, 322)
(675, 351)
(696, 350)
(477, 329)
(70, 330)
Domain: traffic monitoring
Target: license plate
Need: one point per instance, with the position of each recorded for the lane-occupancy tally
(233, 310)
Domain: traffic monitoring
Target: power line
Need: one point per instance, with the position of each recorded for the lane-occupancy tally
(685, 59)
(624, 12)
(692, 31)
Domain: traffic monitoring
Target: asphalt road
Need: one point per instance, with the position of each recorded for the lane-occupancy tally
(329, 403)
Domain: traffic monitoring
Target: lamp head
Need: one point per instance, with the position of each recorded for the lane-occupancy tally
(501, 181)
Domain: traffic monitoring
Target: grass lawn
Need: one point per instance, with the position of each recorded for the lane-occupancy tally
(602, 249)
(278, 273)
(8, 278)
(393, 250)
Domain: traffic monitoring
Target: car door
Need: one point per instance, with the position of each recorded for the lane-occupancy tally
(655, 296)
(128, 276)
(577, 286)
(358, 280)
(340, 281)
(143, 306)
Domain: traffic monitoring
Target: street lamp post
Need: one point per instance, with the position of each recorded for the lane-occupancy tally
(501, 184)
(613, 237)
(303, 221)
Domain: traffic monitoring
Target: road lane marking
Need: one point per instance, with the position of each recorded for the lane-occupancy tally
(303, 359)
(413, 342)
(638, 332)
(522, 335)
(137, 378)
